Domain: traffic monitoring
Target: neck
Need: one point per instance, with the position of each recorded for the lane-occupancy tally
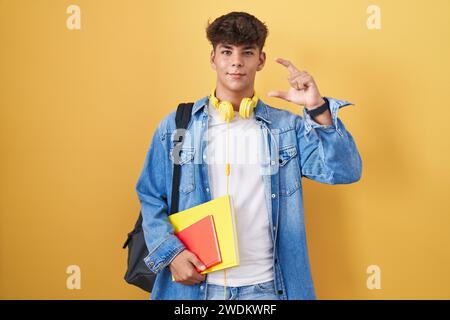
(235, 97)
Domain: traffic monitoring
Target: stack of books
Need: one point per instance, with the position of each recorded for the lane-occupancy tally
(209, 231)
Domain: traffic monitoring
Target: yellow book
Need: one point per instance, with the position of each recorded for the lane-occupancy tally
(222, 210)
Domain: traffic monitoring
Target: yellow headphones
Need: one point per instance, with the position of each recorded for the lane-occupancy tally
(225, 108)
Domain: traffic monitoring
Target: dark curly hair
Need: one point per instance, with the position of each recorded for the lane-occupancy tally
(237, 28)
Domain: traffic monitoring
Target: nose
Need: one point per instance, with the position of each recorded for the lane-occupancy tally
(237, 61)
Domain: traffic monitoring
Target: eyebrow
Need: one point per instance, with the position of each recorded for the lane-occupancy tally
(230, 47)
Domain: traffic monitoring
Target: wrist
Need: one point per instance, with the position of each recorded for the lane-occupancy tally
(319, 110)
(316, 104)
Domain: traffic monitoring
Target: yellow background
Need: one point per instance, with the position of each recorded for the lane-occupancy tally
(79, 107)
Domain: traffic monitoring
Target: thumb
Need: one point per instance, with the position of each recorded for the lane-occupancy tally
(197, 263)
(278, 94)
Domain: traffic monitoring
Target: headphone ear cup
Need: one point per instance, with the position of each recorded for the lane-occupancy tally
(246, 107)
(226, 110)
(213, 99)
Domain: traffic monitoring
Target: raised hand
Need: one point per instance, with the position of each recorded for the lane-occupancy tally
(303, 90)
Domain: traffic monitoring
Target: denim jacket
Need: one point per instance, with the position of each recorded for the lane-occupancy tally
(293, 147)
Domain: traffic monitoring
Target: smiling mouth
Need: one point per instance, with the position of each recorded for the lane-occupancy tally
(236, 75)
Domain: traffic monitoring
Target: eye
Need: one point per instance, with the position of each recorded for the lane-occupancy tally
(226, 51)
(249, 52)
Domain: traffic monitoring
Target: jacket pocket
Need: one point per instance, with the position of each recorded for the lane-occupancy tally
(186, 161)
(289, 170)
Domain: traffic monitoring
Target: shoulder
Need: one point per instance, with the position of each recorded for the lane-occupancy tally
(167, 124)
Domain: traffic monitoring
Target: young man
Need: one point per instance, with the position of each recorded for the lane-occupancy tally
(267, 193)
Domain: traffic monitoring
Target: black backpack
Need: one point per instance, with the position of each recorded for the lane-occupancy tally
(138, 273)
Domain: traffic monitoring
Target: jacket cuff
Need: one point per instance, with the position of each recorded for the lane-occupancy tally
(164, 253)
(335, 105)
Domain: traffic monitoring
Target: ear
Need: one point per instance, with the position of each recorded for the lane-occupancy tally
(262, 61)
(211, 59)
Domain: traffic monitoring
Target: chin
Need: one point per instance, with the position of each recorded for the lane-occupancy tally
(234, 86)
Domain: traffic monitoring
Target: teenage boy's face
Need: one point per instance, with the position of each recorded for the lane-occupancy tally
(236, 66)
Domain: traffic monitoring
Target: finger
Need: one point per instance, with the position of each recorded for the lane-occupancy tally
(302, 81)
(184, 280)
(278, 94)
(195, 277)
(291, 68)
(297, 74)
(188, 277)
(197, 263)
(199, 277)
(297, 84)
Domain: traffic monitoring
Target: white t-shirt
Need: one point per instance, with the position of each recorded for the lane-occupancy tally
(246, 188)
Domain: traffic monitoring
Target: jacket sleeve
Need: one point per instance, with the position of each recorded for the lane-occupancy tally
(328, 153)
(159, 236)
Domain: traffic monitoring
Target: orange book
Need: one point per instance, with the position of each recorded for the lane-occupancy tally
(201, 238)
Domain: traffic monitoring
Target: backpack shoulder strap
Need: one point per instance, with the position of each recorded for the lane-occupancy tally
(182, 118)
(183, 115)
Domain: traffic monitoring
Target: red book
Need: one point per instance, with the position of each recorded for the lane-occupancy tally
(201, 238)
